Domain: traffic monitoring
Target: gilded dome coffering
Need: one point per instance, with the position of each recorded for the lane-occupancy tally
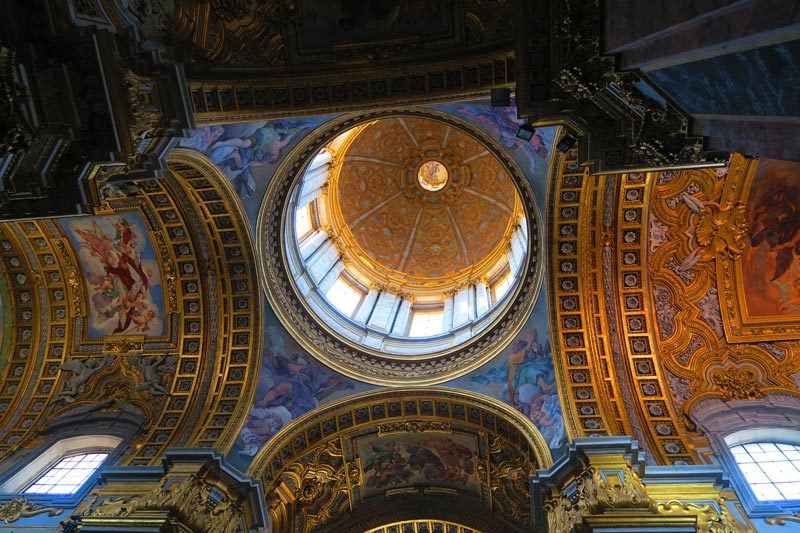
(417, 237)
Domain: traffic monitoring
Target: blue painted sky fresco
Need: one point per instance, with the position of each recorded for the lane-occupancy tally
(292, 382)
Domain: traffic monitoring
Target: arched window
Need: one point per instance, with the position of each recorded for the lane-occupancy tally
(764, 465)
(771, 469)
(64, 467)
(68, 474)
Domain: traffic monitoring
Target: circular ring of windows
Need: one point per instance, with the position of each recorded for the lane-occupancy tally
(411, 240)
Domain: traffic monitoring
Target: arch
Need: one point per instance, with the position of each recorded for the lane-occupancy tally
(773, 418)
(31, 471)
(239, 302)
(336, 468)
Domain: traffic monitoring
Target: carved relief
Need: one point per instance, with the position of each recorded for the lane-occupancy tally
(189, 499)
(596, 491)
(737, 384)
(710, 518)
(13, 510)
(82, 370)
(153, 370)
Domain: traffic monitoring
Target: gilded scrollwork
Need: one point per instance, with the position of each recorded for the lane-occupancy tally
(13, 510)
(737, 384)
(414, 426)
(697, 225)
(596, 491)
(719, 230)
(190, 499)
(714, 518)
(144, 117)
(780, 520)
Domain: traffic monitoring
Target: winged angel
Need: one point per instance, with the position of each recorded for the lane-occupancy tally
(153, 370)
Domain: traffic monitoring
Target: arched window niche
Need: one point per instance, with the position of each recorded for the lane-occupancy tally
(64, 469)
(768, 465)
(757, 441)
(386, 308)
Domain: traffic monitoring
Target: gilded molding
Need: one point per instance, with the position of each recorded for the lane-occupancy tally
(780, 520)
(229, 400)
(711, 518)
(695, 228)
(13, 510)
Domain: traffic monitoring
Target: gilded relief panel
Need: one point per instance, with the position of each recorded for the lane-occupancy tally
(715, 250)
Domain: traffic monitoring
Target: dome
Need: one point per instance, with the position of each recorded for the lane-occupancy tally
(407, 242)
(421, 206)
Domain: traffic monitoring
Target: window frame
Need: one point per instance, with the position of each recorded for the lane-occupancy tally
(773, 435)
(349, 283)
(425, 310)
(83, 454)
(503, 274)
(16, 483)
(313, 220)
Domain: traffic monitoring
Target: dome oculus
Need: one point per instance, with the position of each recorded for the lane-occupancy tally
(432, 176)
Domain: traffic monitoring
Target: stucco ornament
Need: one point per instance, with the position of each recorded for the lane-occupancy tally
(737, 384)
(13, 510)
(721, 230)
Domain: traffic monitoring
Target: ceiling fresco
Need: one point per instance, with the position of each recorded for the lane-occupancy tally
(121, 275)
(243, 149)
